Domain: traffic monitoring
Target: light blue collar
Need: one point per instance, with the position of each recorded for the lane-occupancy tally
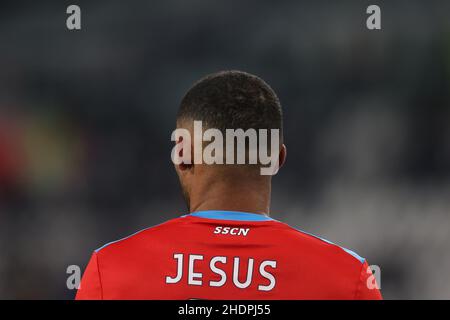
(247, 216)
(230, 215)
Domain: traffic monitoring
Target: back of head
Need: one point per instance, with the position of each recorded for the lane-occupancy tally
(232, 100)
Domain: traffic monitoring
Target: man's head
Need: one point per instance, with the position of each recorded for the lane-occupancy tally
(229, 100)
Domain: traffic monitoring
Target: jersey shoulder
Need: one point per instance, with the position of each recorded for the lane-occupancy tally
(321, 246)
(139, 239)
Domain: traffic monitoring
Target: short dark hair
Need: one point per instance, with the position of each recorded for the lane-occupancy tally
(232, 100)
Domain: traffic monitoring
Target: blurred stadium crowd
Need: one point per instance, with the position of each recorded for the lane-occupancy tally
(86, 118)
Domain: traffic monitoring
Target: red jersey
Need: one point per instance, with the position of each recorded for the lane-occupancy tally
(225, 255)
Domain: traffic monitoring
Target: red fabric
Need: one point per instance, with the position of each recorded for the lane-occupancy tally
(307, 267)
(11, 153)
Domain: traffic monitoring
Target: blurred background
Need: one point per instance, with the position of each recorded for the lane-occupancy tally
(86, 118)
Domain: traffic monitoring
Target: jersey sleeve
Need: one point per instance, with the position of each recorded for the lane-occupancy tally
(368, 288)
(91, 285)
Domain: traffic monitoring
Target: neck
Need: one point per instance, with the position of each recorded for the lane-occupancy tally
(231, 195)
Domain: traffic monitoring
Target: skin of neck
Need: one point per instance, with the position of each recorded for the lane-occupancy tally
(229, 189)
